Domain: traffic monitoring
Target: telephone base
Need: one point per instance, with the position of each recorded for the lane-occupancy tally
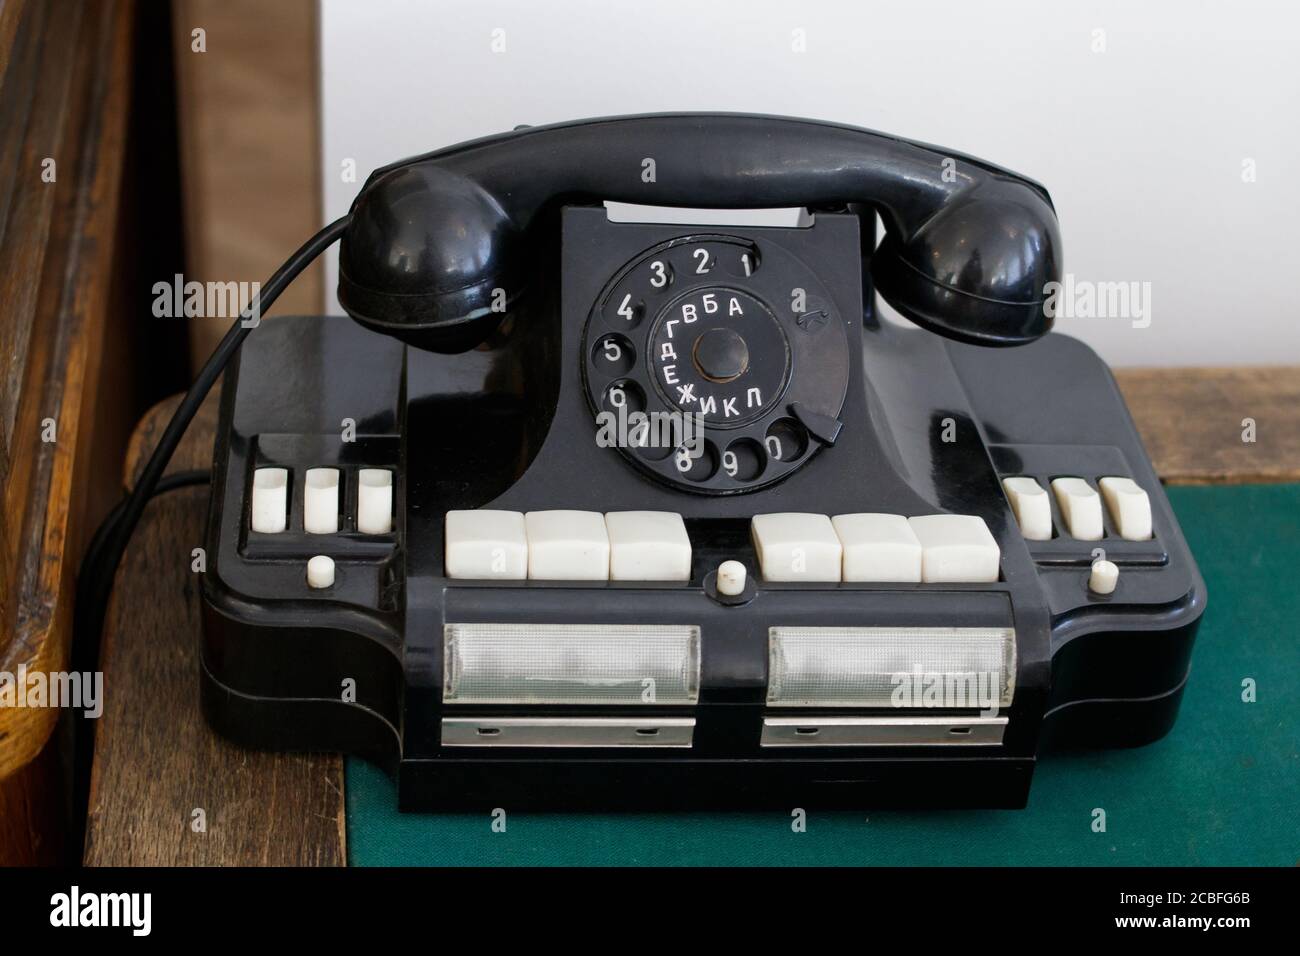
(901, 507)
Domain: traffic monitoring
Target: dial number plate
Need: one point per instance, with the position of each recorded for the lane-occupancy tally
(704, 350)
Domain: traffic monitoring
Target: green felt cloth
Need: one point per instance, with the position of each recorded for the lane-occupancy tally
(1223, 788)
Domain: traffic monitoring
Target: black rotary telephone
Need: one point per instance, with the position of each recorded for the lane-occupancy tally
(584, 513)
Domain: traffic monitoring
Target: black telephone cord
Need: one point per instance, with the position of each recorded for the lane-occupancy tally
(104, 553)
(99, 567)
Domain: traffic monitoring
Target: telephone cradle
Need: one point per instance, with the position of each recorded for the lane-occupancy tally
(595, 514)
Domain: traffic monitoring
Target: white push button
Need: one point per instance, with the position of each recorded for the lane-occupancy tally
(1031, 506)
(1104, 577)
(486, 544)
(796, 547)
(567, 546)
(1080, 507)
(878, 547)
(1129, 507)
(270, 504)
(374, 501)
(731, 578)
(648, 546)
(320, 501)
(956, 549)
(320, 572)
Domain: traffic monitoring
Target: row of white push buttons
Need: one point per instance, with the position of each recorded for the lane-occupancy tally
(568, 546)
(320, 511)
(654, 546)
(1128, 504)
(884, 548)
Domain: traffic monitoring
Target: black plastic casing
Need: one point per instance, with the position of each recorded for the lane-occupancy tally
(510, 426)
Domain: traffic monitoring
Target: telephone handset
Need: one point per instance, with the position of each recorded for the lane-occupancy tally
(424, 505)
(967, 253)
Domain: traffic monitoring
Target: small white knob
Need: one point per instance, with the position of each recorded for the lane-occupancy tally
(731, 578)
(320, 571)
(1104, 577)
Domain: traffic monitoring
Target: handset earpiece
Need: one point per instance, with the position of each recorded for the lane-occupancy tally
(435, 251)
(428, 259)
(977, 270)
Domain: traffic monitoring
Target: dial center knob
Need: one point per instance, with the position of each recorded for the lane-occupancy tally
(721, 355)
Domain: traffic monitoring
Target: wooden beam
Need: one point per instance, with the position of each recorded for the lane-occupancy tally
(57, 263)
(250, 147)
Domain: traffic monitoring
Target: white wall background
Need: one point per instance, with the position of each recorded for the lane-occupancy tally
(1142, 146)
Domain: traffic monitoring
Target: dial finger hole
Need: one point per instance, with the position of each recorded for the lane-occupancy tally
(624, 395)
(613, 354)
(697, 461)
(739, 261)
(653, 436)
(624, 310)
(744, 459)
(645, 439)
(660, 274)
(785, 440)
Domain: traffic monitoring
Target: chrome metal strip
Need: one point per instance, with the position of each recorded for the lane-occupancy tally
(882, 731)
(568, 731)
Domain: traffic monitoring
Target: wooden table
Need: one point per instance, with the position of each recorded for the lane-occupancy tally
(156, 762)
